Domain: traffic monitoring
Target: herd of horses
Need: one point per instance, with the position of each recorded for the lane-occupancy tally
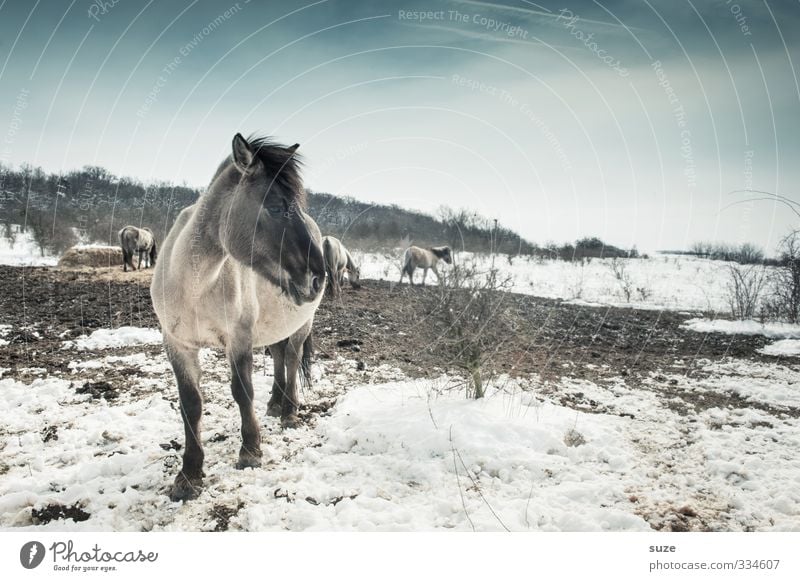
(242, 268)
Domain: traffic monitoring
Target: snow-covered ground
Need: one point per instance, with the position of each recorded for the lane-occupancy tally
(682, 283)
(23, 250)
(394, 453)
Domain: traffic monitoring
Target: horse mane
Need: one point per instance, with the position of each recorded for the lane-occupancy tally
(440, 251)
(279, 162)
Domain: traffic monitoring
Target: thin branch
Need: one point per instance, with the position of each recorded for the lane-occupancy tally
(458, 481)
(788, 202)
(477, 488)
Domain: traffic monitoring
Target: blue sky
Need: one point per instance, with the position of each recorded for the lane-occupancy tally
(629, 120)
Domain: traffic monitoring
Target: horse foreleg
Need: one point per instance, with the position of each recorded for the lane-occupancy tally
(186, 366)
(424, 274)
(241, 361)
(141, 254)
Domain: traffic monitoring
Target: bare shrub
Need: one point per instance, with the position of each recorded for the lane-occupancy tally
(744, 288)
(784, 299)
(624, 279)
(575, 289)
(472, 312)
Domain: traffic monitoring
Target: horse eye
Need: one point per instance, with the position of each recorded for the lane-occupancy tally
(274, 210)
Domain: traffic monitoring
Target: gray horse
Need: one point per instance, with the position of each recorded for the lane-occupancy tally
(241, 268)
(337, 262)
(139, 241)
(424, 258)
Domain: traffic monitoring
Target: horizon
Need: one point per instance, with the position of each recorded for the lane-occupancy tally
(623, 122)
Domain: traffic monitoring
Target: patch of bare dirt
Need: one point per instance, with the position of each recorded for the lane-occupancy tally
(379, 323)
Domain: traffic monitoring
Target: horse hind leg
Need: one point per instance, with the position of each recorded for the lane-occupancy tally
(293, 359)
(241, 361)
(288, 356)
(275, 404)
(186, 366)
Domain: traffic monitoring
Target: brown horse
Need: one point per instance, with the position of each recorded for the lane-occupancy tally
(241, 268)
(139, 241)
(424, 258)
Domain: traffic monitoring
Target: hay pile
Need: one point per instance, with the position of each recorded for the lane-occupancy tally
(93, 256)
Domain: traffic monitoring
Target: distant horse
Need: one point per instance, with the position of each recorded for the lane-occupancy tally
(337, 262)
(241, 268)
(139, 241)
(424, 258)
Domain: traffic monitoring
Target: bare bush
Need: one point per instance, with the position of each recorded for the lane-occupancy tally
(471, 310)
(620, 269)
(784, 300)
(744, 289)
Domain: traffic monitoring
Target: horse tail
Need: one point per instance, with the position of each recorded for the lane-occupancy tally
(126, 255)
(306, 360)
(153, 252)
(408, 258)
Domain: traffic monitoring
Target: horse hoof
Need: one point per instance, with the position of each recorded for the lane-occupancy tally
(185, 488)
(248, 459)
(290, 422)
(274, 410)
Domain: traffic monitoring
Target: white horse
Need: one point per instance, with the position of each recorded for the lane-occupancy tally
(241, 268)
(424, 258)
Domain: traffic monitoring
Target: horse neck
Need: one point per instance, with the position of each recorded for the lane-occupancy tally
(350, 262)
(212, 208)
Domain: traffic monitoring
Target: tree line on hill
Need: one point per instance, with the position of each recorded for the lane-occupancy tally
(91, 205)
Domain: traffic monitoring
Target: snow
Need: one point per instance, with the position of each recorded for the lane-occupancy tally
(120, 337)
(783, 348)
(396, 453)
(23, 251)
(748, 327)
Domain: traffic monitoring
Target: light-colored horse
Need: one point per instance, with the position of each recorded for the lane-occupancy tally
(424, 258)
(241, 268)
(337, 262)
(139, 241)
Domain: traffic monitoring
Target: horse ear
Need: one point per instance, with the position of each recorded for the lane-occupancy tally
(293, 148)
(242, 154)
